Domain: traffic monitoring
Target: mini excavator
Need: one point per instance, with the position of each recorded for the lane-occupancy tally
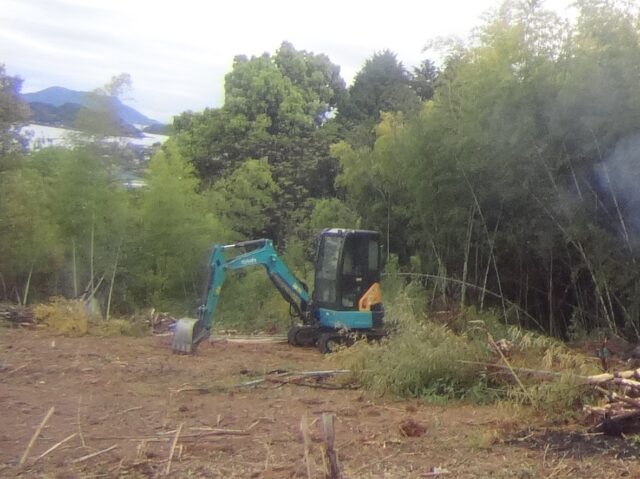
(346, 302)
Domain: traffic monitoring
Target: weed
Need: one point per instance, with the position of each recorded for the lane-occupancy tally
(483, 439)
(119, 327)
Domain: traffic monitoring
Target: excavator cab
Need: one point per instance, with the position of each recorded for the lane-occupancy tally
(347, 295)
(347, 265)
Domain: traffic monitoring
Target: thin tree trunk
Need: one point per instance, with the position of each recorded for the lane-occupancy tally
(623, 226)
(492, 257)
(27, 286)
(113, 278)
(550, 296)
(465, 267)
(93, 225)
(4, 286)
(388, 226)
(75, 270)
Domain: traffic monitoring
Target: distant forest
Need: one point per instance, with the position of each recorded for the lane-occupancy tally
(505, 176)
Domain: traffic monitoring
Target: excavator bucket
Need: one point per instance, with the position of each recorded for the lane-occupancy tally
(189, 332)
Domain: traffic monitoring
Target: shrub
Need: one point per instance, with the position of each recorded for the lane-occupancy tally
(446, 359)
(421, 359)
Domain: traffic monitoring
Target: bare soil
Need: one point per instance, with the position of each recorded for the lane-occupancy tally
(133, 393)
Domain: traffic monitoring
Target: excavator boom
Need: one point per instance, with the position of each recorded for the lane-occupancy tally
(189, 332)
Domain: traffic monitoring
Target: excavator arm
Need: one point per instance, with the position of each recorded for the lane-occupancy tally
(189, 332)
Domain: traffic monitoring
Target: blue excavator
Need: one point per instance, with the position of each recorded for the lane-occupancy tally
(346, 301)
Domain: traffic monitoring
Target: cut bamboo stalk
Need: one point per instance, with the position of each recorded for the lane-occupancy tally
(75, 270)
(94, 454)
(25, 454)
(79, 424)
(113, 277)
(329, 441)
(55, 446)
(465, 268)
(506, 361)
(173, 448)
(27, 286)
(304, 429)
(93, 229)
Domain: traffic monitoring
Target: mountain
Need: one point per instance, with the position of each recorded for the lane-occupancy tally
(64, 116)
(58, 97)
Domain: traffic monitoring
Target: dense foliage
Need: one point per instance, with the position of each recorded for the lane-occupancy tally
(504, 178)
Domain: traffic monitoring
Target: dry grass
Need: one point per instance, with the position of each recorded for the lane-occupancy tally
(64, 316)
(72, 317)
(119, 327)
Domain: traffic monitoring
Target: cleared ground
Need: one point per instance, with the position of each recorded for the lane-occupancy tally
(134, 393)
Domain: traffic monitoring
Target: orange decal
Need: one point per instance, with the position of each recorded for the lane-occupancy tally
(372, 297)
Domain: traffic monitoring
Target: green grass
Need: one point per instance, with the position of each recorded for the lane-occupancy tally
(444, 357)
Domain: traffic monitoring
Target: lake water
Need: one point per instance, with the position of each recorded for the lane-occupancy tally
(41, 136)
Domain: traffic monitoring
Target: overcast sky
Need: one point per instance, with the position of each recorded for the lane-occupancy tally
(177, 52)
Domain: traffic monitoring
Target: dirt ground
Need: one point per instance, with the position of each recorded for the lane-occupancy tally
(128, 396)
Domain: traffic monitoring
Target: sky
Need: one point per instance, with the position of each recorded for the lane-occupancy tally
(178, 52)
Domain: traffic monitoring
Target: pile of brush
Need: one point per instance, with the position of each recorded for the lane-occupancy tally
(160, 323)
(621, 413)
(17, 315)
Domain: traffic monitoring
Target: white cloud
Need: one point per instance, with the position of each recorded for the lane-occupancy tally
(178, 52)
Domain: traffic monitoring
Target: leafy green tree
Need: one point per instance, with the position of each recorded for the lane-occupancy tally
(423, 79)
(276, 107)
(319, 80)
(89, 207)
(13, 114)
(174, 233)
(374, 181)
(63, 218)
(99, 118)
(31, 252)
(382, 85)
(246, 200)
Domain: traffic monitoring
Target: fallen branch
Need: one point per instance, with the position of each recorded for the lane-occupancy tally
(215, 433)
(535, 372)
(55, 446)
(603, 378)
(25, 454)
(251, 340)
(298, 382)
(311, 374)
(615, 396)
(107, 416)
(209, 431)
(435, 472)
(173, 448)
(18, 368)
(183, 437)
(626, 382)
(92, 455)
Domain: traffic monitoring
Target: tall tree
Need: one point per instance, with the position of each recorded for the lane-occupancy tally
(13, 114)
(175, 229)
(246, 200)
(100, 118)
(382, 85)
(423, 79)
(276, 107)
